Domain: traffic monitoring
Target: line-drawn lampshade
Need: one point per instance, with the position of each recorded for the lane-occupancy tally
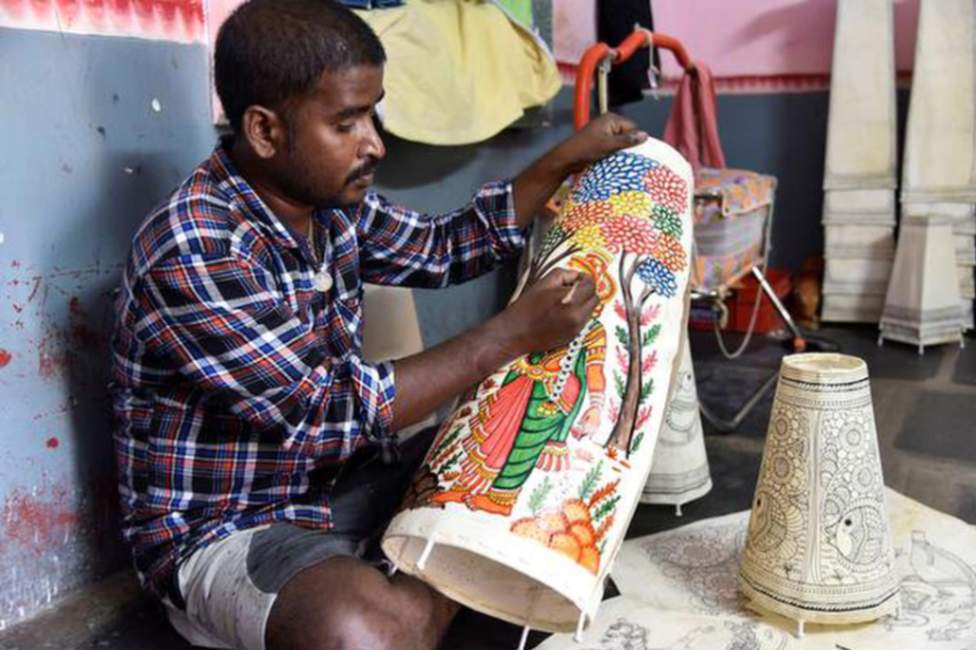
(819, 542)
(680, 472)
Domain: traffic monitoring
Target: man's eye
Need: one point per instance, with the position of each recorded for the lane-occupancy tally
(344, 127)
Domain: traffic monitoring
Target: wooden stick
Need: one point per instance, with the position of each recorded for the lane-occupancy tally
(569, 294)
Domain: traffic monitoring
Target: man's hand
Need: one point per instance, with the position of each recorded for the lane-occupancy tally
(601, 137)
(541, 318)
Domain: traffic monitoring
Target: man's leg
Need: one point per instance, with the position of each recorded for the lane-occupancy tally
(346, 604)
(283, 586)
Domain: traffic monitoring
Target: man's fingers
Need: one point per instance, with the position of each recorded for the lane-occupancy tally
(568, 277)
(635, 137)
(587, 285)
(584, 290)
(618, 124)
(591, 304)
(624, 131)
(559, 278)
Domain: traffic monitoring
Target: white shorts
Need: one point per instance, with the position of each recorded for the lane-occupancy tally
(230, 586)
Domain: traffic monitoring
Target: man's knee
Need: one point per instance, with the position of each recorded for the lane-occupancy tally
(370, 612)
(358, 625)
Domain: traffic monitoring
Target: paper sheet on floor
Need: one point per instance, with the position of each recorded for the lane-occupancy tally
(680, 586)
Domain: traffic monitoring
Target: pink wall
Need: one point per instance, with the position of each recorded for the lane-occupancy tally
(767, 42)
(767, 37)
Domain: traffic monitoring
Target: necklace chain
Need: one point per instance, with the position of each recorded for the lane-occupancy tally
(312, 244)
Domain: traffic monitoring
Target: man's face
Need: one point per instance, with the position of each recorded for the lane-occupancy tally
(333, 147)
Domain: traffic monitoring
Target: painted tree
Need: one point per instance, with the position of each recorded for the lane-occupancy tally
(629, 205)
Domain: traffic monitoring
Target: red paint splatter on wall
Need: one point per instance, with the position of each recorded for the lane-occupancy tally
(51, 358)
(82, 336)
(35, 523)
(60, 347)
(5, 357)
(52, 442)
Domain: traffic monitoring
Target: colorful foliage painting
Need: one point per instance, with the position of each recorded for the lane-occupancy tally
(571, 414)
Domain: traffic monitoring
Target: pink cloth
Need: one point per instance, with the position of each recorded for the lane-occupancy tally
(692, 126)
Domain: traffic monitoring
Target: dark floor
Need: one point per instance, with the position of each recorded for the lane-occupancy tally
(926, 415)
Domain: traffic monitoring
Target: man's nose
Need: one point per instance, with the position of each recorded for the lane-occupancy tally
(372, 144)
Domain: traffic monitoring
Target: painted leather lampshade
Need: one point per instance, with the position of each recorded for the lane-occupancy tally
(680, 472)
(819, 542)
(524, 497)
(922, 306)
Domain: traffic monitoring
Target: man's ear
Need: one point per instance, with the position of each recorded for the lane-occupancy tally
(265, 131)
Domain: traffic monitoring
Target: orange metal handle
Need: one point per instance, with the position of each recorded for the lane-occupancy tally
(601, 51)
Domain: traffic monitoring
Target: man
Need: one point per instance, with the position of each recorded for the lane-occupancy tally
(255, 448)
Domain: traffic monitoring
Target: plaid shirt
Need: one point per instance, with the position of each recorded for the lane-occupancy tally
(239, 389)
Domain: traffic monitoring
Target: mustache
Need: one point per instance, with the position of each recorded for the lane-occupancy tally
(365, 170)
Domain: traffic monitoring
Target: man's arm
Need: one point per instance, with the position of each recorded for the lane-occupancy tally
(539, 181)
(402, 247)
(537, 320)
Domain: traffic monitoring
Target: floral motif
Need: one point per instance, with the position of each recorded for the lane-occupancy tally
(657, 276)
(617, 173)
(586, 214)
(636, 204)
(667, 188)
(666, 220)
(590, 236)
(668, 251)
(630, 235)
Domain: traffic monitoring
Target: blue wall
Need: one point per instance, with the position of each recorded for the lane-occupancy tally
(86, 155)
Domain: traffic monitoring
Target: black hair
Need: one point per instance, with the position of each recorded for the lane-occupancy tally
(269, 51)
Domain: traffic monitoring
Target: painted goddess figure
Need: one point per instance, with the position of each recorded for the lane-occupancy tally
(526, 422)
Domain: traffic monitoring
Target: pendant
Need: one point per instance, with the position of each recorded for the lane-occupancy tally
(322, 281)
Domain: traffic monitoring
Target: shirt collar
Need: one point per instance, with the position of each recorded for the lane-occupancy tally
(230, 180)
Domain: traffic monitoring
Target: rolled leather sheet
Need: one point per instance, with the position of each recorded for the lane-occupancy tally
(859, 177)
(940, 140)
(861, 144)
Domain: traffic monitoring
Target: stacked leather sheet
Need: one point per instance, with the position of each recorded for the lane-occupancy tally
(939, 177)
(859, 180)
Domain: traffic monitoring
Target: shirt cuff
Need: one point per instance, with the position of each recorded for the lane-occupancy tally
(376, 389)
(497, 201)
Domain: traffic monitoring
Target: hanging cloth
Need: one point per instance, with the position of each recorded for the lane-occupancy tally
(520, 10)
(616, 20)
(692, 126)
(458, 71)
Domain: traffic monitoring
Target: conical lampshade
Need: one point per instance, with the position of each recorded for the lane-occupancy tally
(679, 472)
(922, 306)
(819, 542)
